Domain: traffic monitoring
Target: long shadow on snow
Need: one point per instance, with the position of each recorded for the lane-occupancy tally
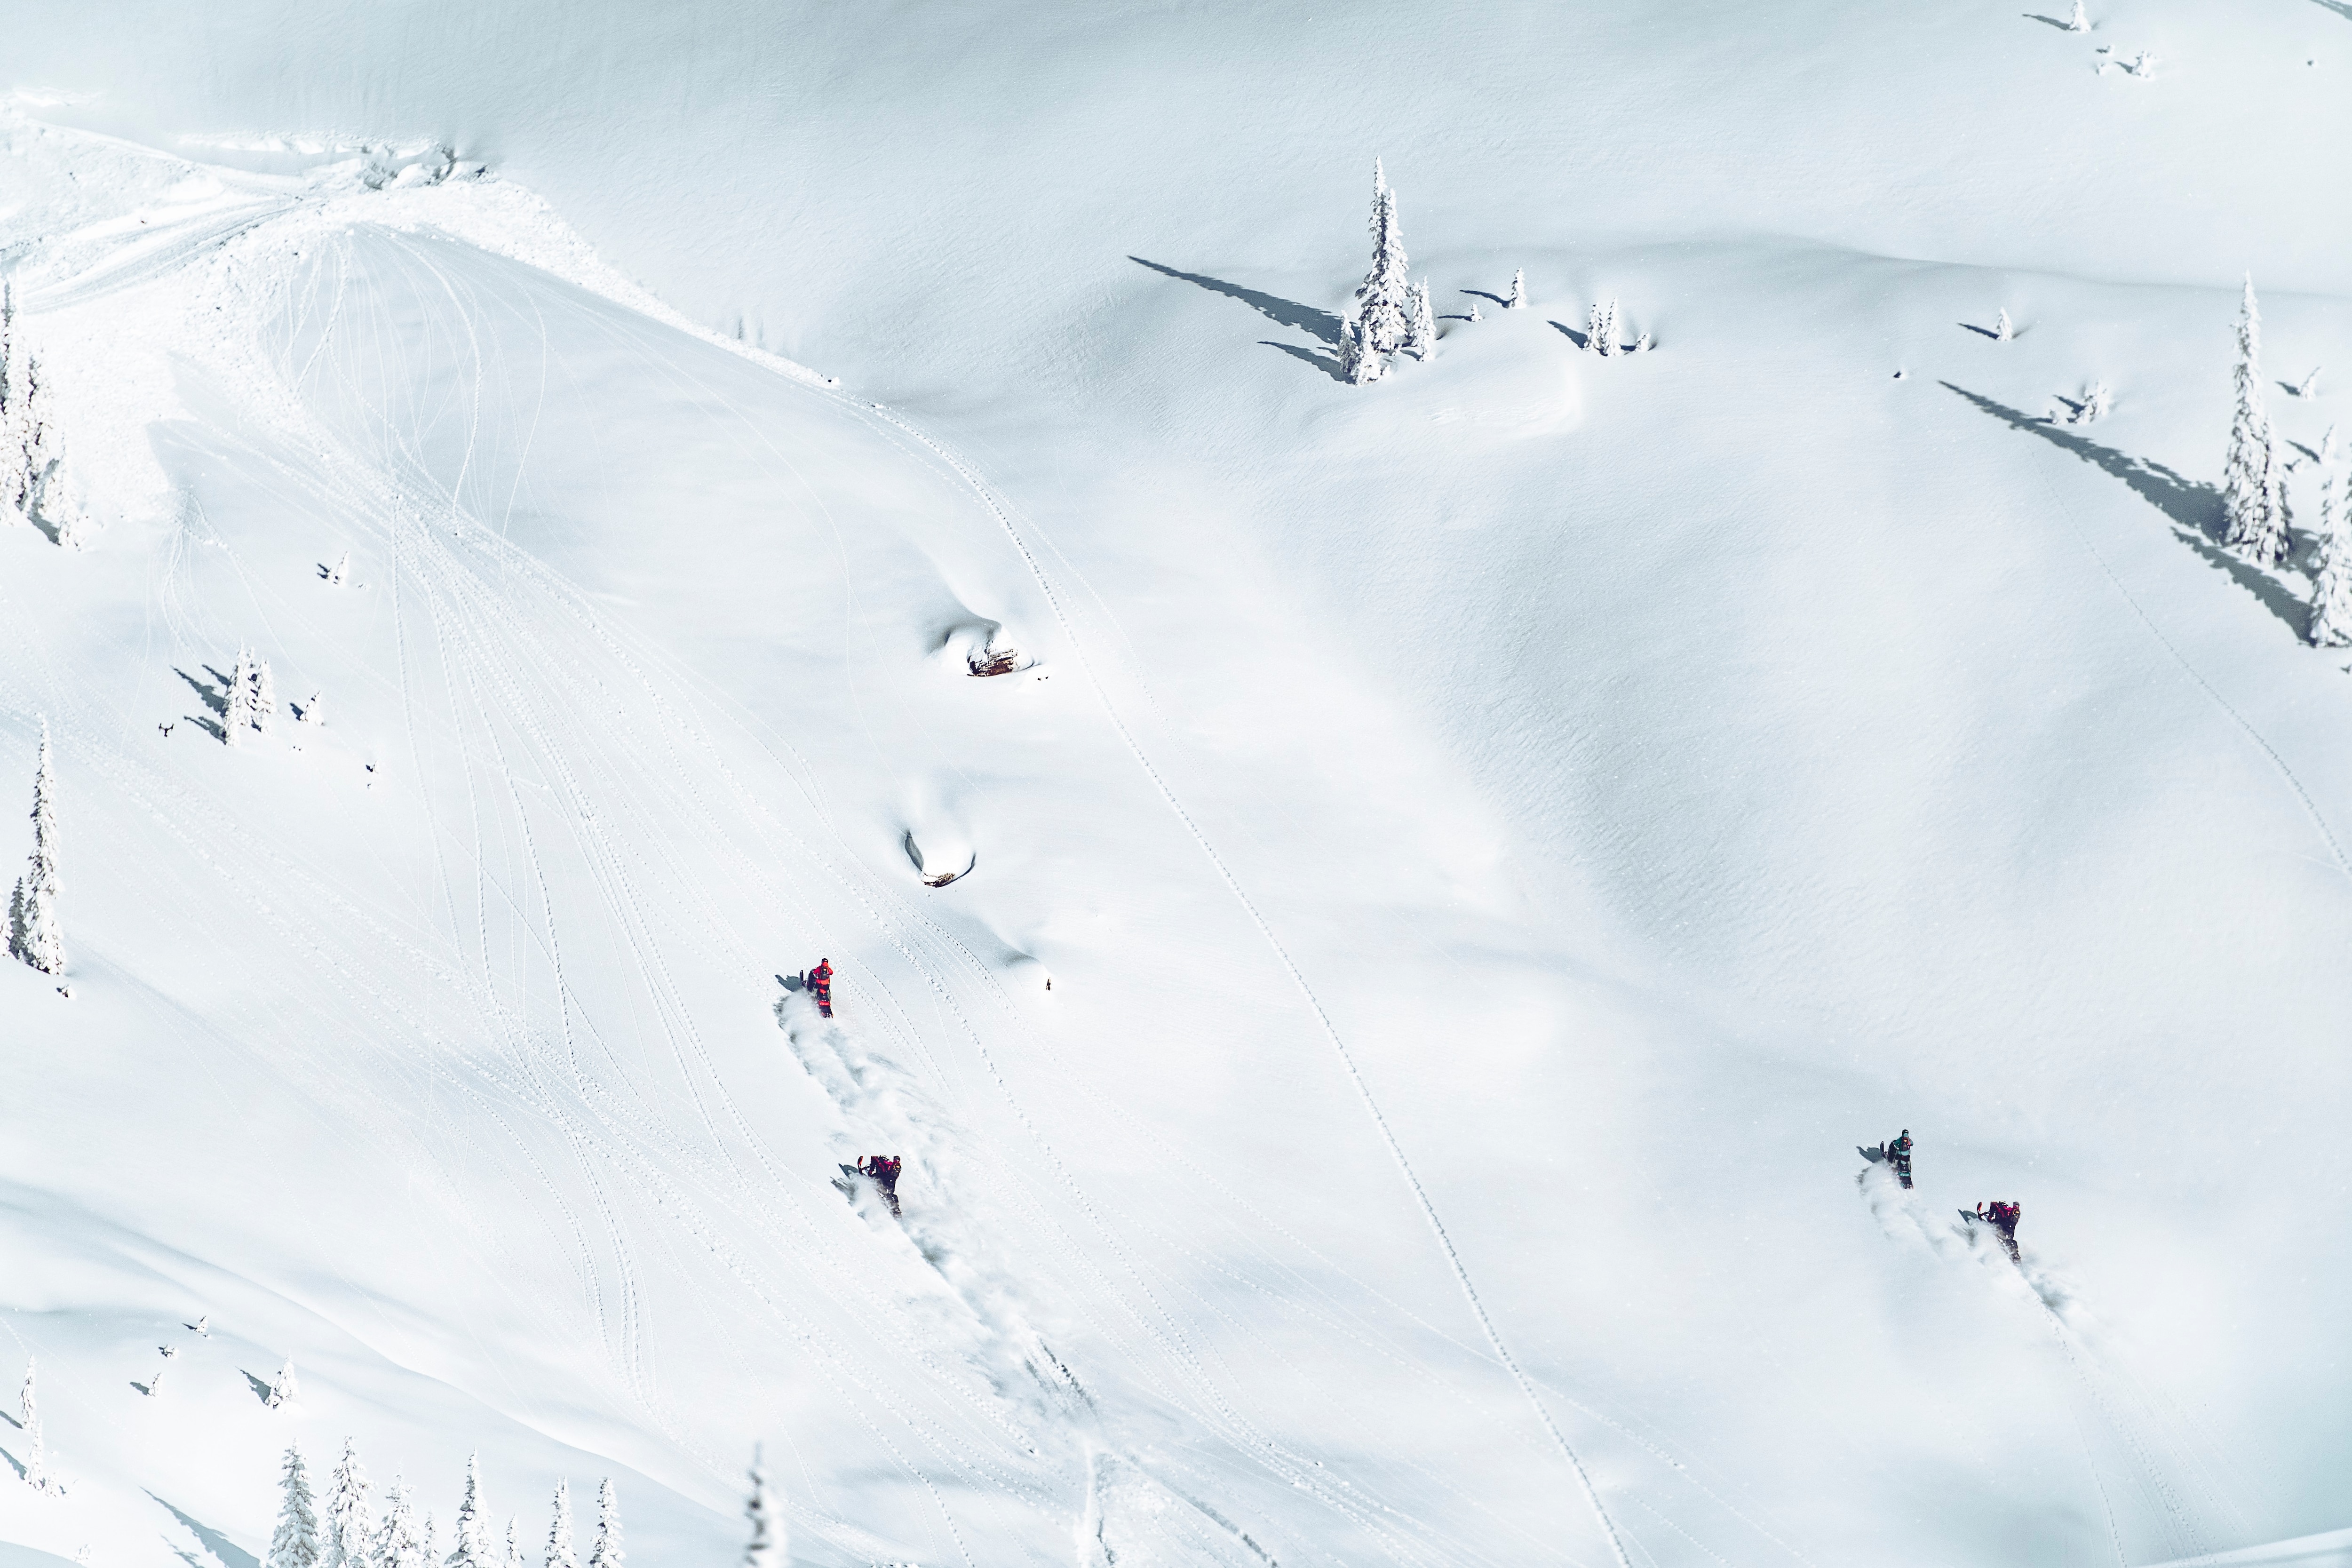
(230, 1554)
(2338, 7)
(2195, 509)
(216, 696)
(1323, 362)
(1322, 324)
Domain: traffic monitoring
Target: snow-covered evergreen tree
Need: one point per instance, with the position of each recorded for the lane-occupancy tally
(284, 1390)
(350, 1541)
(343, 566)
(768, 1547)
(2248, 498)
(238, 718)
(265, 696)
(2078, 22)
(296, 1544)
(559, 1554)
(2002, 332)
(2331, 597)
(514, 1545)
(471, 1548)
(1383, 299)
(607, 1551)
(397, 1544)
(36, 932)
(28, 1418)
(2327, 449)
(1519, 299)
(1421, 327)
(1359, 361)
(2270, 543)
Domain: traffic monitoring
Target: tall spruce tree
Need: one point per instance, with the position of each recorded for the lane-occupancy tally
(471, 1547)
(1383, 299)
(350, 1542)
(397, 1544)
(238, 718)
(35, 934)
(2331, 595)
(28, 1418)
(296, 1544)
(2271, 543)
(607, 1551)
(2249, 491)
(768, 1547)
(1421, 327)
(513, 1558)
(559, 1554)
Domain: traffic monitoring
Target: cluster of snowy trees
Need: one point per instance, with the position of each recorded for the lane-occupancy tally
(35, 484)
(1392, 314)
(2256, 519)
(252, 698)
(350, 1536)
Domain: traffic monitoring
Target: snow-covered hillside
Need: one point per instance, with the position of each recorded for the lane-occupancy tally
(1456, 868)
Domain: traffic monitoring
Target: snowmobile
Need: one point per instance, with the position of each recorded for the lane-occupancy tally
(879, 1170)
(2003, 1218)
(1900, 1163)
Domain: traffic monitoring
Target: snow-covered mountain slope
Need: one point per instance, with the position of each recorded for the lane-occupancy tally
(1497, 839)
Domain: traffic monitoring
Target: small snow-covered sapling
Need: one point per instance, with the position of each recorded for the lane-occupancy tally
(335, 574)
(2002, 332)
(2078, 22)
(2309, 385)
(1519, 299)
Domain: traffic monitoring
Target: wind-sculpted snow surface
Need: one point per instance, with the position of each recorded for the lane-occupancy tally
(1454, 863)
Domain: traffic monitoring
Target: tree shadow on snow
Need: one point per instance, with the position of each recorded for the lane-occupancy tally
(1581, 339)
(216, 696)
(2014, 331)
(1323, 362)
(2194, 507)
(229, 1552)
(261, 1390)
(13, 1463)
(1484, 295)
(1321, 324)
(2338, 7)
(2037, 17)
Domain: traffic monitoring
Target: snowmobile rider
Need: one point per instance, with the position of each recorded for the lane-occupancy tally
(1898, 1154)
(2003, 1218)
(882, 1170)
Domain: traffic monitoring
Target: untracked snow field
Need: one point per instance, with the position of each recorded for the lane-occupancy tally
(1454, 870)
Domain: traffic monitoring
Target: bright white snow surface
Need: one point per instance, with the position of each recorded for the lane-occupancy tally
(1498, 839)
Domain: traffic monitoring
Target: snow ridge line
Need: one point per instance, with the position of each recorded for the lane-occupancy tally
(1330, 1031)
(2311, 807)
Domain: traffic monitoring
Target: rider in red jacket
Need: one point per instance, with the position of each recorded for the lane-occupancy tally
(820, 984)
(883, 1171)
(2003, 1218)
